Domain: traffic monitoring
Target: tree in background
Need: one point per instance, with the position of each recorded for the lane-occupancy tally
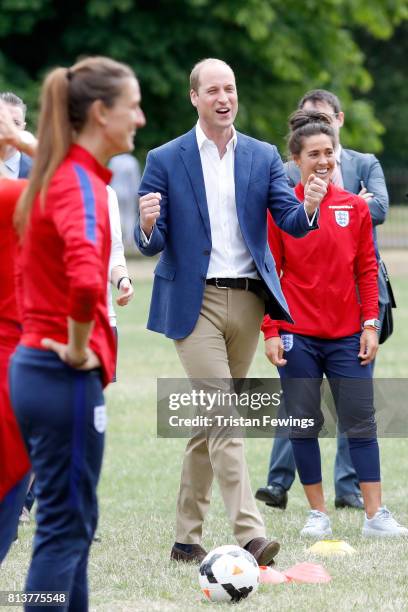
(277, 49)
(388, 65)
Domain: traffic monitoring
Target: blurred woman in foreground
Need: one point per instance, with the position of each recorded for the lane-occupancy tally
(89, 113)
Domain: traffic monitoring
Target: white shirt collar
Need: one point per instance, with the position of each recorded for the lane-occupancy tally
(338, 153)
(202, 138)
(13, 164)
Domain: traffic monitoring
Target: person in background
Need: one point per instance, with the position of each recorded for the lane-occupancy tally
(118, 272)
(359, 173)
(125, 182)
(18, 165)
(16, 161)
(14, 461)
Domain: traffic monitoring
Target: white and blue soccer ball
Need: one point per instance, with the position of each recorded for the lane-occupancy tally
(228, 573)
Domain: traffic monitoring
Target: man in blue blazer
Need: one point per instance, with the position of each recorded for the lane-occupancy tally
(360, 173)
(17, 163)
(203, 205)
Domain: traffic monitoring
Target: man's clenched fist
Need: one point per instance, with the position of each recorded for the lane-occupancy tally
(149, 210)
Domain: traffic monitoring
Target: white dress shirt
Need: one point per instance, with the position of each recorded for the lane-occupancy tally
(229, 257)
(337, 177)
(13, 164)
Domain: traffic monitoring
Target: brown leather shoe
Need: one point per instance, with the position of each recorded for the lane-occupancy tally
(196, 555)
(263, 550)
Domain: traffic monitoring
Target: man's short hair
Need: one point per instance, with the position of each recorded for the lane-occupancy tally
(9, 97)
(195, 73)
(321, 95)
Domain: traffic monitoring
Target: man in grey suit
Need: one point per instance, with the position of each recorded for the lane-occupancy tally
(360, 173)
(18, 164)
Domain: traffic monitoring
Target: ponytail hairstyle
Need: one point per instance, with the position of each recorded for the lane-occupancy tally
(305, 123)
(66, 96)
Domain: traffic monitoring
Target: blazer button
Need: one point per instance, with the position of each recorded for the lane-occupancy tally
(206, 252)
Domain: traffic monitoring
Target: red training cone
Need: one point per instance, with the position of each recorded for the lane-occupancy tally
(307, 573)
(267, 575)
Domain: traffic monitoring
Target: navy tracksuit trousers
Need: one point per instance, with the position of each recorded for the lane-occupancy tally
(308, 359)
(10, 510)
(61, 413)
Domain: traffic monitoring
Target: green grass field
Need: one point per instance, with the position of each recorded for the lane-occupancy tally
(130, 569)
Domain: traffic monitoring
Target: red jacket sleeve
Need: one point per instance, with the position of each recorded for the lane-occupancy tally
(77, 219)
(366, 266)
(10, 191)
(270, 327)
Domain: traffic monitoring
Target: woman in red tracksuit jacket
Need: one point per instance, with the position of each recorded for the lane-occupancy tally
(329, 279)
(89, 112)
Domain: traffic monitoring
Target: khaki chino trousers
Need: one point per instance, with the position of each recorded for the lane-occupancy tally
(221, 346)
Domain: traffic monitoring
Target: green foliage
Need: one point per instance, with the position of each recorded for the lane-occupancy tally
(387, 63)
(277, 49)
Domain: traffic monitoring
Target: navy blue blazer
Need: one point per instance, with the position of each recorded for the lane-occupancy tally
(183, 233)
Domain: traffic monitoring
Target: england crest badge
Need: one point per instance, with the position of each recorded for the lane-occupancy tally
(100, 418)
(287, 341)
(342, 217)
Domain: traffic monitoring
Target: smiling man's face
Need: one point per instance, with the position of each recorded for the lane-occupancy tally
(216, 100)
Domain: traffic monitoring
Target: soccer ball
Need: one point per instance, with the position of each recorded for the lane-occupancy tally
(228, 573)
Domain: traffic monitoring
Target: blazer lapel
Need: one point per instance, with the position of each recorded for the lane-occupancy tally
(348, 172)
(242, 172)
(191, 158)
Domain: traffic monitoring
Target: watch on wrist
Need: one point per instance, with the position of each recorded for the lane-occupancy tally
(121, 279)
(372, 323)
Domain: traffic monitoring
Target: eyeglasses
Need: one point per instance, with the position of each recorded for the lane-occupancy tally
(332, 115)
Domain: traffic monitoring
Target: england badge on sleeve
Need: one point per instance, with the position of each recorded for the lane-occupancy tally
(342, 217)
(100, 418)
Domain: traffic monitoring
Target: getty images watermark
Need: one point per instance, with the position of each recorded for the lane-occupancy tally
(214, 403)
(260, 408)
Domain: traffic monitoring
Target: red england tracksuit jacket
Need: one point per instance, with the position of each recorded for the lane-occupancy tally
(65, 258)
(329, 277)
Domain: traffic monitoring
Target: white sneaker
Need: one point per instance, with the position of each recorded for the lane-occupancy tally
(317, 525)
(383, 525)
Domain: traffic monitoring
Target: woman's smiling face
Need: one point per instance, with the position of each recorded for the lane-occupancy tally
(316, 157)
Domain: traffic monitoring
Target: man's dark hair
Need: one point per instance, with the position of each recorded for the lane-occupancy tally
(10, 98)
(321, 95)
